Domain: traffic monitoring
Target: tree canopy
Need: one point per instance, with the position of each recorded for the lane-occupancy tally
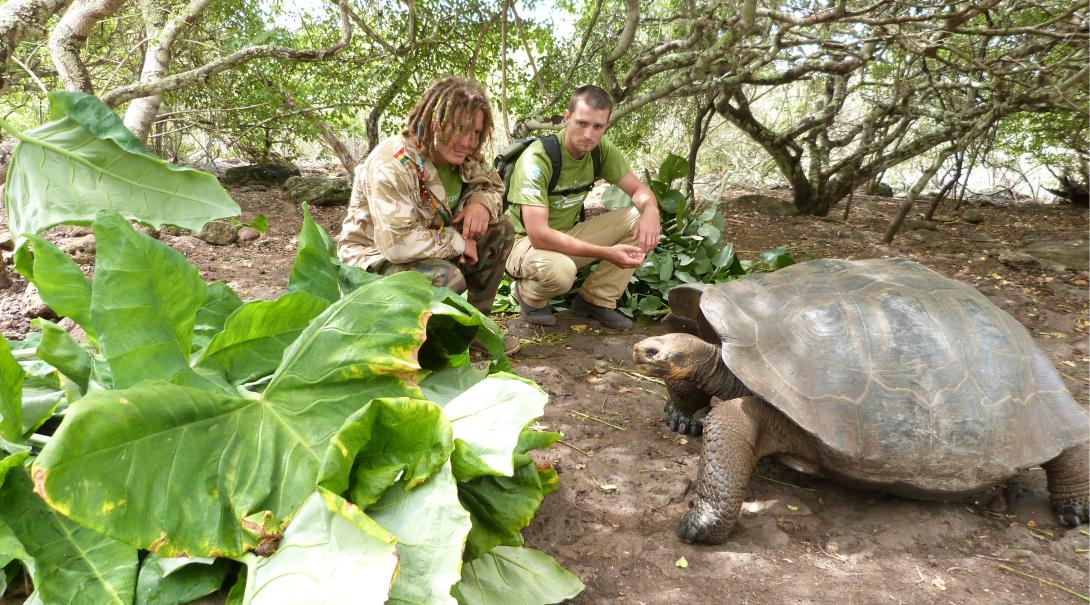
(870, 85)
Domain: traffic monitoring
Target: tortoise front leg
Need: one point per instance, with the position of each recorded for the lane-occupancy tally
(684, 403)
(1069, 485)
(731, 432)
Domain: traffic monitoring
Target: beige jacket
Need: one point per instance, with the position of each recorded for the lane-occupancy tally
(388, 220)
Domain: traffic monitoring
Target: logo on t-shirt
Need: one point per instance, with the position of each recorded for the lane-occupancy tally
(570, 200)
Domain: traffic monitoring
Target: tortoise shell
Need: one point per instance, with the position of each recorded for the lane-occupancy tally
(905, 377)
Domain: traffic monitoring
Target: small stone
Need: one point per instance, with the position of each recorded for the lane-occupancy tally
(81, 248)
(248, 234)
(972, 216)
(6, 243)
(34, 305)
(219, 233)
(173, 231)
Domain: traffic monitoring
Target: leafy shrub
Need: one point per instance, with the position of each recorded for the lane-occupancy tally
(690, 250)
(331, 446)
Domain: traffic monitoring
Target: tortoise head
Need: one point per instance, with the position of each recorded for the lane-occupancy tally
(675, 356)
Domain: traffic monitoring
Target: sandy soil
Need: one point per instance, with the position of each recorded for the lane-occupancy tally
(626, 479)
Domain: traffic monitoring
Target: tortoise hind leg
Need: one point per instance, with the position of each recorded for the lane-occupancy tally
(1069, 485)
(685, 403)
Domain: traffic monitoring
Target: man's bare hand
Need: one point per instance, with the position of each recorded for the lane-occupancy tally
(474, 220)
(648, 229)
(469, 257)
(625, 256)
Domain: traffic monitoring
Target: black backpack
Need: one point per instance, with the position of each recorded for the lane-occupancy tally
(505, 164)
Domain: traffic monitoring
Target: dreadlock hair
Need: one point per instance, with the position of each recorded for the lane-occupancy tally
(448, 107)
(592, 96)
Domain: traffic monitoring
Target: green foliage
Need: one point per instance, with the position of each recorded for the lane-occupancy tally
(85, 160)
(290, 435)
(690, 250)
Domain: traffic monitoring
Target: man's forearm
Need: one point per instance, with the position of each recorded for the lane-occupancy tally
(558, 241)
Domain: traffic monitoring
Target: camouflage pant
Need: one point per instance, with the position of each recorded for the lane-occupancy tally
(482, 278)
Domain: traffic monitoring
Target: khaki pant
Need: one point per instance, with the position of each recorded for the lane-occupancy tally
(543, 274)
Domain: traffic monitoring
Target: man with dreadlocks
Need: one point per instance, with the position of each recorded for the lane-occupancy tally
(426, 200)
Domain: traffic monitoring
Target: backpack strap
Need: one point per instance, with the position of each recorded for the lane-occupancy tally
(596, 158)
(552, 149)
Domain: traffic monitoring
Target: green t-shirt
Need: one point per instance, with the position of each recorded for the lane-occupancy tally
(530, 182)
(452, 183)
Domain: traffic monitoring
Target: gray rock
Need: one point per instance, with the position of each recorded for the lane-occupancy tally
(1060, 288)
(248, 234)
(972, 216)
(6, 243)
(883, 190)
(919, 225)
(768, 205)
(1017, 259)
(173, 231)
(268, 174)
(219, 233)
(34, 306)
(1069, 254)
(81, 249)
(318, 190)
(980, 236)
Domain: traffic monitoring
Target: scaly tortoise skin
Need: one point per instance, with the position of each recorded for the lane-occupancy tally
(881, 374)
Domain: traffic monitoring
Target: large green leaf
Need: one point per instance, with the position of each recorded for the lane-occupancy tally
(62, 172)
(488, 418)
(672, 168)
(178, 580)
(61, 351)
(180, 470)
(316, 266)
(387, 440)
(69, 563)
(515, 576)
(502, 506)
(218, 305)
(61, 284)
(331, 553)
(143, 304)
(431, 529)
(11, 399)
(254, 337)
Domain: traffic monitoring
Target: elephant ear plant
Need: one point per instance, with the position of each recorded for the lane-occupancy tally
(331, 446)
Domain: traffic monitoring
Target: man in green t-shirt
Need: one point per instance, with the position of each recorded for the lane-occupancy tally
(552, 244)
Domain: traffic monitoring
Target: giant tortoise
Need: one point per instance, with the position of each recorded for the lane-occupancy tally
(881, 374)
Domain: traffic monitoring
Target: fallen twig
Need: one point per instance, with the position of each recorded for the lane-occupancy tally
(588, 455)
(786, 483)
(589, 417)
(1046, 581)
(637, 375)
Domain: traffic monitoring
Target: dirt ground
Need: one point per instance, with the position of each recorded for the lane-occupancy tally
(626, 479)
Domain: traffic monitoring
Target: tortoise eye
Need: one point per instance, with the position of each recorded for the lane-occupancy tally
(652, 352)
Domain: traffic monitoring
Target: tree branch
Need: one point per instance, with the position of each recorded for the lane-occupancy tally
(203, 73)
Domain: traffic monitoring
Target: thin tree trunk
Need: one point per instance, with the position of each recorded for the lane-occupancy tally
(330, 138)
(700, 132)
(374, 134)
(848, 204)
(20, 19)
(959, 157)
(910, 200)
(161, 34)
(68, 38)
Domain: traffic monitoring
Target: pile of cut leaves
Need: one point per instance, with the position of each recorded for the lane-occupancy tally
(334, 445)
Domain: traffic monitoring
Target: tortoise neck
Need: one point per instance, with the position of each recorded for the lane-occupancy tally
(713, 375)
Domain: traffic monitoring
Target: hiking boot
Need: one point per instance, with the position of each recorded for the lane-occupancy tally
(609, 318)
(510, 346)
(542, 316)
